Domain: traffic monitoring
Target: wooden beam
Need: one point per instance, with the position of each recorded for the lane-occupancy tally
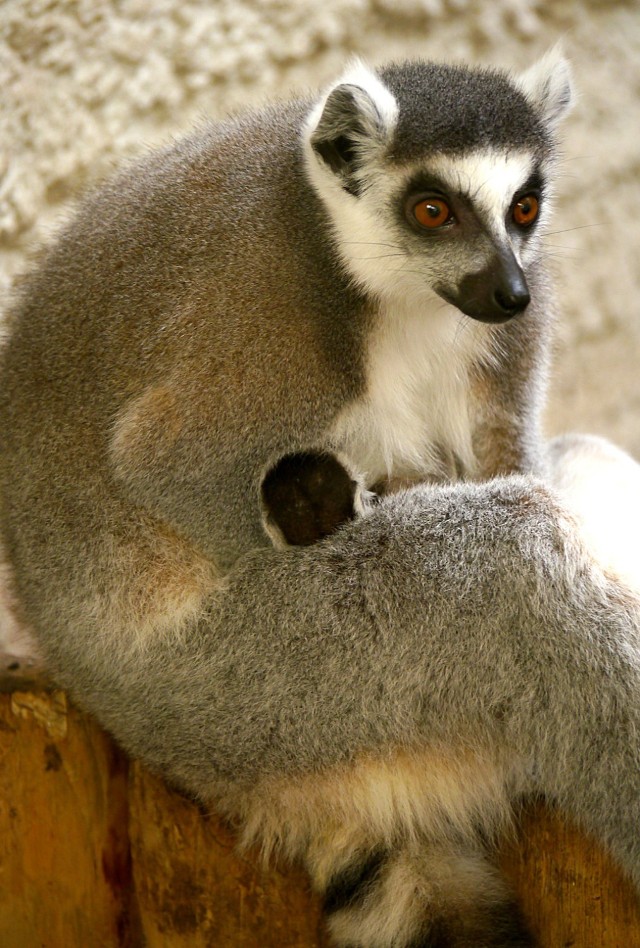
(571, 892)
(65, 874)
(195, 891)
(94, 851)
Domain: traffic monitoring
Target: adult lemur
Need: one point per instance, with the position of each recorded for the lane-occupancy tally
(372, 705)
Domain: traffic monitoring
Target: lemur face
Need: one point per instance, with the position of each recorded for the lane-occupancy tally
(465, 223)
(436, 179)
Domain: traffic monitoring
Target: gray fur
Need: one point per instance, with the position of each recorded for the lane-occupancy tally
(452, 109)
(194, 322)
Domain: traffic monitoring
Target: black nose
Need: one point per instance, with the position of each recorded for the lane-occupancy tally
(494, 294)
(512, 301)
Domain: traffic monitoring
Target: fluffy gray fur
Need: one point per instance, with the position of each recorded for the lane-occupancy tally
(458, 646)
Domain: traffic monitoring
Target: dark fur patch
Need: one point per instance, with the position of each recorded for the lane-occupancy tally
(501, 926)
(454, 109)
(438, 936)
(510, 928)
(352, 884)
(308, 495)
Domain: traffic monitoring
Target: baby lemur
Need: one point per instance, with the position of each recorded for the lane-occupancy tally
(308, 495)
(361, 271)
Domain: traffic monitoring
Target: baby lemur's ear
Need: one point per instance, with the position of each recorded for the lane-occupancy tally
(548, 86)
(351, 123)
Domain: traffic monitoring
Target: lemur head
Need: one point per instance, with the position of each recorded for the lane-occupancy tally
(437, 177)
(306, 496)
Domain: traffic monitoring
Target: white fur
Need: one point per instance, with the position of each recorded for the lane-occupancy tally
(367, 242)
(417, 395)
(547, 85)
(601, 486)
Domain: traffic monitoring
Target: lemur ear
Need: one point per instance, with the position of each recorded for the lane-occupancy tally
(548, 86)
(354, 120)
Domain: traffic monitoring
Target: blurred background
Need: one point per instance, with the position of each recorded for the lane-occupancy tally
(84, 84)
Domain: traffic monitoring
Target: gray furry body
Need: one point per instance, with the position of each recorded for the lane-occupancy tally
(374, 703)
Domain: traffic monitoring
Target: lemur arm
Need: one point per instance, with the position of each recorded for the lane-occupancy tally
(510, 390)
(508, 438)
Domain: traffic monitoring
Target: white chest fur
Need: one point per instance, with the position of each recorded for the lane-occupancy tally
(417, 407)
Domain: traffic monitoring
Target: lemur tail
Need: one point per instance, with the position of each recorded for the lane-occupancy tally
(422, 895)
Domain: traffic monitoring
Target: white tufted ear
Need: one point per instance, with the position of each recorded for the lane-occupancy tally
(354, 118)
(548, 86)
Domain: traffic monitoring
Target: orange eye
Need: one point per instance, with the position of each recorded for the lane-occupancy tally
(525, 210)
(432, 212)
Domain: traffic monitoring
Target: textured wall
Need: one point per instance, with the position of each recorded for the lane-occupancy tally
(84, 83)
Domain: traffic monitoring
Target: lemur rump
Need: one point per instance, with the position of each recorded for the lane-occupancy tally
(362, 273)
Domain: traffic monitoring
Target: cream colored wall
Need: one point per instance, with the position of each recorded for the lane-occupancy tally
(83, 84)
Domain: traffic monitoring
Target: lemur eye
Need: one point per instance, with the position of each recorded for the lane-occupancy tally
(432, 212)
(525, 210)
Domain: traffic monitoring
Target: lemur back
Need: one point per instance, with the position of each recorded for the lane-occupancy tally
(361, 272)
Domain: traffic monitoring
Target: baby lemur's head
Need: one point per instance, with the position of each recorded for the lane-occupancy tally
(306, 496)
(436, 178)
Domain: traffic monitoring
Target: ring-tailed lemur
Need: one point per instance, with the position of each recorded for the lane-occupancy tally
(362, 272)
(308, 495)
